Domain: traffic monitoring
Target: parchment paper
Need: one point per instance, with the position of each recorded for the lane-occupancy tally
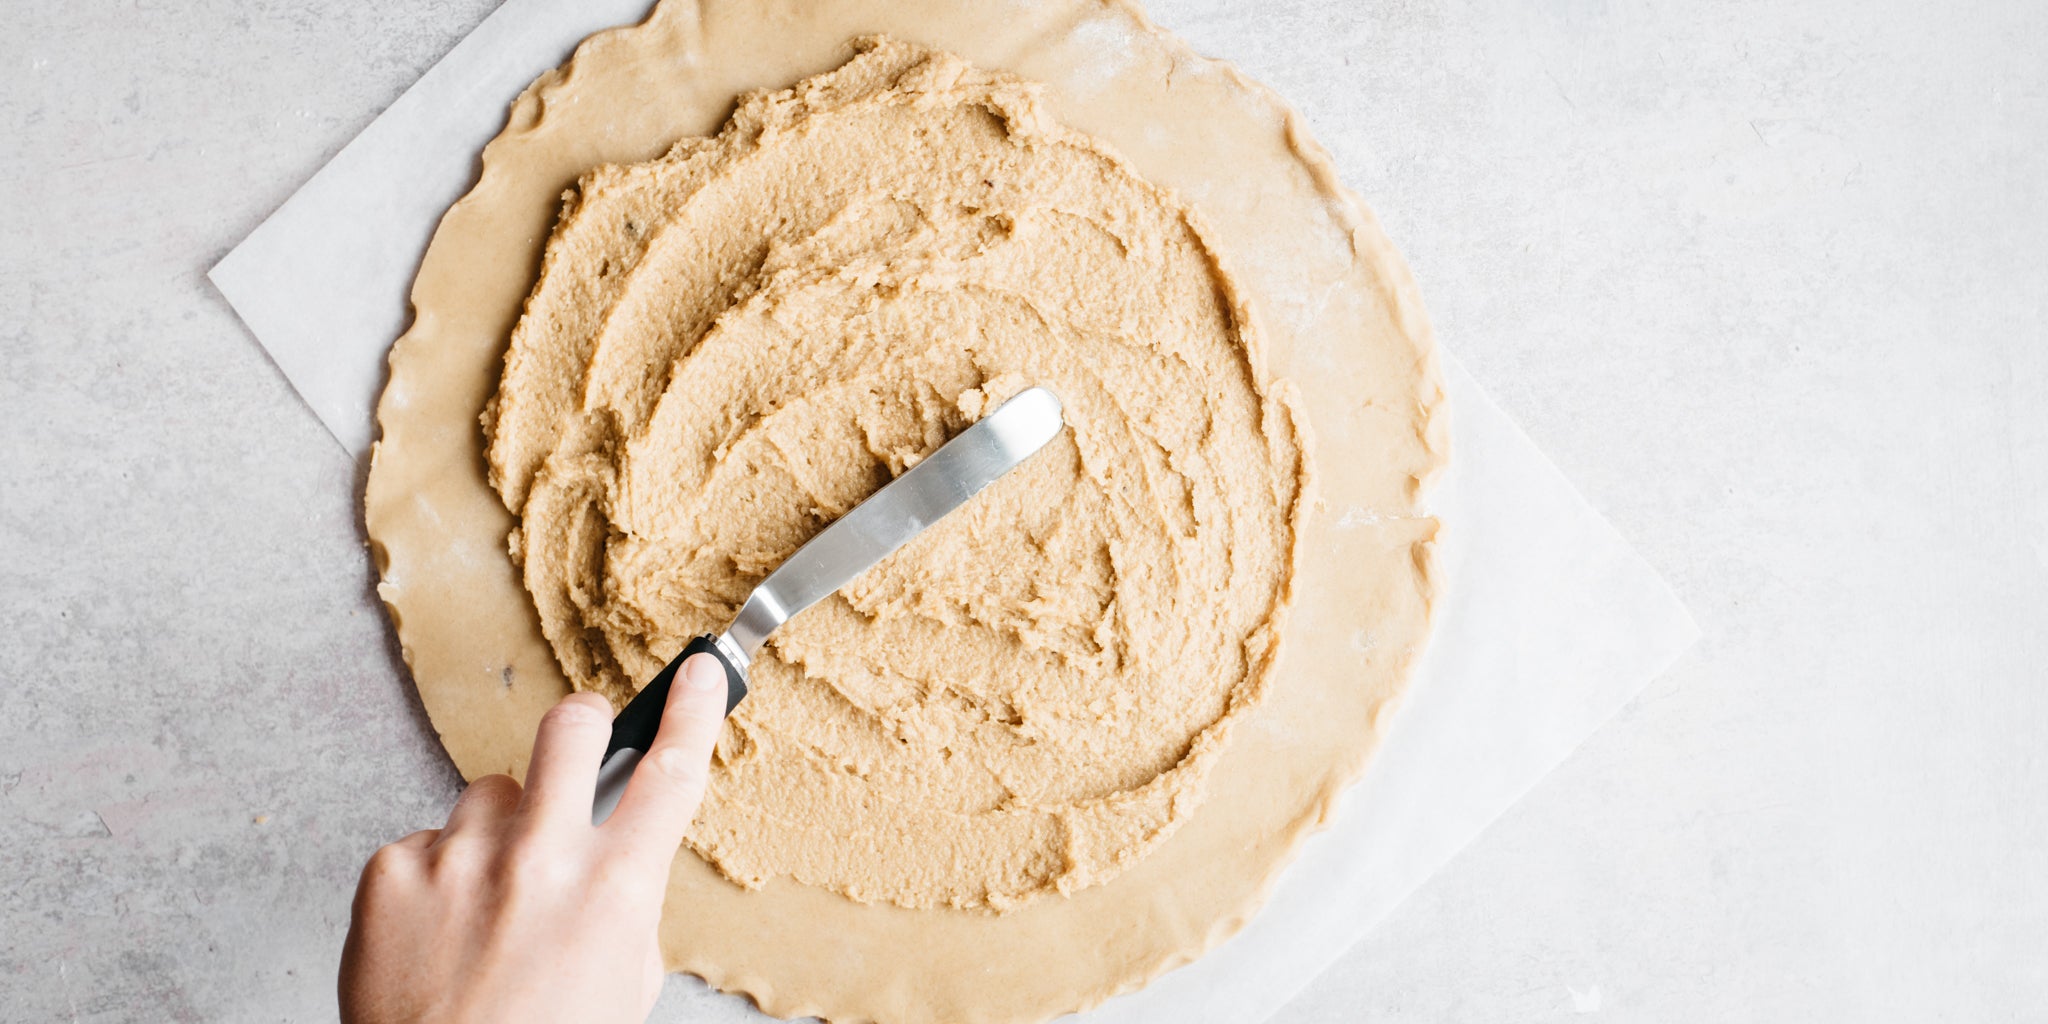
(1549, 624)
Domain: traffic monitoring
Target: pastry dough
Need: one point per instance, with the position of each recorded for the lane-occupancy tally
(1337, 315)
(733, 345)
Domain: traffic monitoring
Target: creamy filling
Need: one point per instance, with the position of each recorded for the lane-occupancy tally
(733, 345)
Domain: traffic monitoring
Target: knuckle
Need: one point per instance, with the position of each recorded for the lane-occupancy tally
(385, 860)
(388, 864)
(578, 710)
(679, 768)
(495, 785)
(458, 856)
(487, 795)
(628, 882)
(526, 870)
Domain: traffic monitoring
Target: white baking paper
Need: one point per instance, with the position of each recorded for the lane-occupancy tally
(1549, 625)
(324, 283)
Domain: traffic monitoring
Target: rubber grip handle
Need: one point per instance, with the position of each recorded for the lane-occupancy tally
(635, 727)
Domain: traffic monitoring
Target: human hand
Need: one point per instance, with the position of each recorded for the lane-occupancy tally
(519, 909)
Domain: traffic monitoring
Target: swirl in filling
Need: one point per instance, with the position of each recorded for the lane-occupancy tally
(734, 344)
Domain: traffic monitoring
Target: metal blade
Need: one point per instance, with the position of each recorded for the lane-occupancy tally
(899, 511)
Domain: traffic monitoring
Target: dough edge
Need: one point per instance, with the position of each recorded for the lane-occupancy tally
(1245, 566)
(1371, 253)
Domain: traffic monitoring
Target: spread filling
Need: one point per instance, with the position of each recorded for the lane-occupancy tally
(732, 345)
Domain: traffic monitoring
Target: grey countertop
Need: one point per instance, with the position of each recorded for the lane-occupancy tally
(1768, 280)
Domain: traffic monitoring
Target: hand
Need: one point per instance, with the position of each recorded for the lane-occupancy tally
(519, 909)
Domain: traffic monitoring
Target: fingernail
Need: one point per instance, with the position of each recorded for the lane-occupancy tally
(703, 674)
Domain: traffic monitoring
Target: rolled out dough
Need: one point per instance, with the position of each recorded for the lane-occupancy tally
(1332, 301)
(731, 346)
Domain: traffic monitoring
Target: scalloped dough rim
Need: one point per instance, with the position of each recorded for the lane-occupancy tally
(1370, 252)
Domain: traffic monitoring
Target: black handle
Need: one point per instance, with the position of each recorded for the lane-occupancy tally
(635, 727)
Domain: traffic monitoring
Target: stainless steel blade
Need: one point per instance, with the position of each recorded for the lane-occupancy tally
(891, 516)
(923, 495)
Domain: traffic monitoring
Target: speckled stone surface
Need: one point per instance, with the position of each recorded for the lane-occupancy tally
(1768, 280)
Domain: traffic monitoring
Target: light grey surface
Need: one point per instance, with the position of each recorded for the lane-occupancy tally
(1766, 279)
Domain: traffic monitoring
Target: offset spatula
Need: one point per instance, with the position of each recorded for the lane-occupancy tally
(857, 540)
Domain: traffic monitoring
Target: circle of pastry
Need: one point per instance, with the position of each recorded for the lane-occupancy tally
(951, 796)
(733, 345)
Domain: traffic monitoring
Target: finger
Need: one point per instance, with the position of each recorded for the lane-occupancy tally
(419, 840)
(562, 777)
(393, 861)
(487, 802)
(669, 783)
(394, 858)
